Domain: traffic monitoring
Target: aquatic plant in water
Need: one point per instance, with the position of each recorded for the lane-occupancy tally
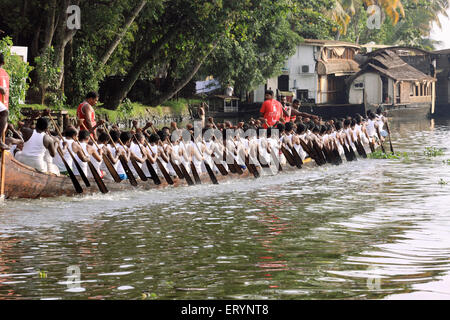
(433, 152)
(381, 155)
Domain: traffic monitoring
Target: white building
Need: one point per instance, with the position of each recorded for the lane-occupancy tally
(21, 52)
(315, 73)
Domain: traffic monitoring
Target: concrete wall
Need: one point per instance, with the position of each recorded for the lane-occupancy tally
(443, 84)
(297, 79)
(304, 55)
(373, 89)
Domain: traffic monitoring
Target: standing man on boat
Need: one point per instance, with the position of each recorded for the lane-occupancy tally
(291, 112)
(86, 114)
(271, 110)
(4, 102)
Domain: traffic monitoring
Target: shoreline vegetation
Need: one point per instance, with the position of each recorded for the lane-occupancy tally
(130, 110)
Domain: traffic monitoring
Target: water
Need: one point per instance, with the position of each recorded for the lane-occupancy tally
(375, 229)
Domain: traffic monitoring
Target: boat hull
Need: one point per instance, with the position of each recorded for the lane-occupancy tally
(25, 182)
(418, 110)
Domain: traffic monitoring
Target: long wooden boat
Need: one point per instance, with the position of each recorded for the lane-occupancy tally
(25, 182)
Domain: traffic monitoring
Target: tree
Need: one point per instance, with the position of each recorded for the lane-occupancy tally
(177, 42)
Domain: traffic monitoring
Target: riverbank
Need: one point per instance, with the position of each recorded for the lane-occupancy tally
(174, 110)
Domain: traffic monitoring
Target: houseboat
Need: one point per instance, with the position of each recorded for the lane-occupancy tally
(386, 80)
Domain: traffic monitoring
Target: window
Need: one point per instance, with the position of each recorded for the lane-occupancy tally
(359, 85)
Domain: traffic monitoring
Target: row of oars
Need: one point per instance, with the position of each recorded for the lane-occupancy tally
(320, 155)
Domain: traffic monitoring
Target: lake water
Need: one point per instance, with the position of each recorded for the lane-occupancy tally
(372, 229)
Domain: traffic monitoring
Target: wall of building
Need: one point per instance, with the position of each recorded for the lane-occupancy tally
(443, 82)
(299, 80)
(373, 88)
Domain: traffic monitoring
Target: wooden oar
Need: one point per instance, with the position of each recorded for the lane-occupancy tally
(309, 150)
(297, 157)
(136, 166)
(389, 135)
(361, 148)
(123, 161)
(234, 166)
(318, 150)
(231, 166)
(288, 156)
(350, 149)
(101, 185)
(219, 166)
(381, 142)
(161, 167)
(77, 165)
(251, 168)
(74, 180)
(266, 165)
(335, 150)
(211, 174)
(151, 170)
(179, 170)
(108, 163)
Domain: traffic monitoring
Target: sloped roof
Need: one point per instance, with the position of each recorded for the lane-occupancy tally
(391, 65)
(445, 51)
(399, 50)
(337, 66)
(330, 43)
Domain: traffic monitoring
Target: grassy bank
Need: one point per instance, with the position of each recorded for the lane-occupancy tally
(133, 110)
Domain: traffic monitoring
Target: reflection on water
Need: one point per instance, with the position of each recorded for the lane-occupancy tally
(374, 229)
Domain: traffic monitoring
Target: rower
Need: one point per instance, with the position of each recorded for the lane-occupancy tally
(80, 153)
(51, 166)
(153, 143)
(207, 148)
(371, 129)
(36, 142)
(102, 142)
(296, 141)
(165, 150)
(96, 157)
(15, 143)
(66, 144)
(381, 119)
(115, 135)
(135, 150)
(196, 156)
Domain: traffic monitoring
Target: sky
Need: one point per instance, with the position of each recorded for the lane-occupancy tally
(442, 34)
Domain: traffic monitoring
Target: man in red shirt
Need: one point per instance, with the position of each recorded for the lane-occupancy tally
(86, 113)
(271, 110)
(4, 102)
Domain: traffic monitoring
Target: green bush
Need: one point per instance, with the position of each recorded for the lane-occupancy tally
(18, 71)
